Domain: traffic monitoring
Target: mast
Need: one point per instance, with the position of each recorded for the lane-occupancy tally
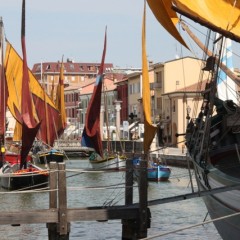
(3, 94)
(229, 73)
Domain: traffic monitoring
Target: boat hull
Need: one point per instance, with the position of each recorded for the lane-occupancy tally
(111, 163)
(14, 158)
(31, 178)
(221, 204)
(158, 173)
(48, 156)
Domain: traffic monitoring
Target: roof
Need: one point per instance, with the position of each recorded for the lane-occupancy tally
(88, 88)
(70, 67)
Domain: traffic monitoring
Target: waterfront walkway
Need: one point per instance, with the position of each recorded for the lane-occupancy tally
(169, 155)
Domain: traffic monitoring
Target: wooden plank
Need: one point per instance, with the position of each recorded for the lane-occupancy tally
(29, 217)
(52, 227)
(62, 200)
(99, 214)
(53, 185)
(73, 214)
(143, 210)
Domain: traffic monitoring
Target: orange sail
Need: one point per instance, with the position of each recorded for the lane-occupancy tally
(149, 129)
(60, 103)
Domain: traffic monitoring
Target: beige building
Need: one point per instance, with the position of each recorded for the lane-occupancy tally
(174, 95)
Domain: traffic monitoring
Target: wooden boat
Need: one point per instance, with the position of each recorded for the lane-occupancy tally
(53, 155)
(21, 174)
(156, 172)
(91, 136)
(213, 135)
(114, 162)
(14, 178)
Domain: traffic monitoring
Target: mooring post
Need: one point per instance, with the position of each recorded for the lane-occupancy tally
(144, 218)
(128, 226)
(52, 227)
(63, 226)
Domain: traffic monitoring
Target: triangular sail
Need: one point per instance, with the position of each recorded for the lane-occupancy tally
(91, 136)
(149, 129)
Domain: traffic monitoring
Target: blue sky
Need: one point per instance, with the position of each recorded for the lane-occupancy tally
(75, 29)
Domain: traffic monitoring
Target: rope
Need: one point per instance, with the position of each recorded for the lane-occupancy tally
(192, 226)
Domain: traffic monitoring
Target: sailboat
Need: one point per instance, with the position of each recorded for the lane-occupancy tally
(47, 153)
(91, 136)
(24, 174)
(156, 171)
(213, 135)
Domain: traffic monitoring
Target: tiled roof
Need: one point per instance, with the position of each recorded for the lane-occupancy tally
(70, 67)
(88, 88)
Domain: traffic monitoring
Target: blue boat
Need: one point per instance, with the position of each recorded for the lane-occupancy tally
(156, 172)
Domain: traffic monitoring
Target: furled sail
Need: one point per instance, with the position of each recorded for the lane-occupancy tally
(60, 103)
(30, 126)
(149, 129)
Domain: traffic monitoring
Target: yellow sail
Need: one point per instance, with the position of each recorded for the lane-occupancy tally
(166, 17)
(219, 15)
(149, 129)
(13, 68)
(60, 103)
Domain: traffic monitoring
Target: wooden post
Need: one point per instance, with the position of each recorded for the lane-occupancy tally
(128, 226)
(63, 225)
(52, 227)
(143, 221)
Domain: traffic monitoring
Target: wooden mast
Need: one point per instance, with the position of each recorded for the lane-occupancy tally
(229, 73)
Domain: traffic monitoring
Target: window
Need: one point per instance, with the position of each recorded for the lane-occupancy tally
(71, 66)
(159, 79)
(159, 103)
(81, 68)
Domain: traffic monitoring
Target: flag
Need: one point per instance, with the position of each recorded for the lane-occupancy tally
(91, 136)
(149, 129)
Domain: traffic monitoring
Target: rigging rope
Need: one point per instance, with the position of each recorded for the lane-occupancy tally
(192, 226)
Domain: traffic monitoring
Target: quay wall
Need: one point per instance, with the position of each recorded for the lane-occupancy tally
(168, 155)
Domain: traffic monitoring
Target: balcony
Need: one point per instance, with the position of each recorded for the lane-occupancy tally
(155, 85)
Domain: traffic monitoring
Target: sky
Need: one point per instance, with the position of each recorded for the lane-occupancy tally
(75, 29)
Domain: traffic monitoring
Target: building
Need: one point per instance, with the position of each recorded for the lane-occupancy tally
(75, 73)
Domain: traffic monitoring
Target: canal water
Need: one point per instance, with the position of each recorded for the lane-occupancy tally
(100, 189)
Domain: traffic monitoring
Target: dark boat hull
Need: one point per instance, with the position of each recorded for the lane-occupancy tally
(221, 204)
(47, 157)
(29, 179)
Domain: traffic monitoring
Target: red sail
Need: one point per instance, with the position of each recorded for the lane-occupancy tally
(91, 135)
(30, 126)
